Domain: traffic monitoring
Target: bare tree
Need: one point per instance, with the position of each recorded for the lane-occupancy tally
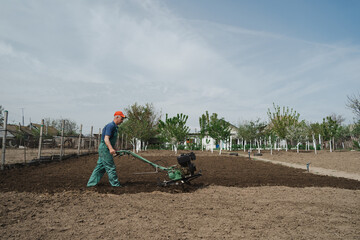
(70, 127)
(354, 104)
(337, 118)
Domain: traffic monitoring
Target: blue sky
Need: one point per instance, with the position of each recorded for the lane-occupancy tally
(313, 20)
(84, 60)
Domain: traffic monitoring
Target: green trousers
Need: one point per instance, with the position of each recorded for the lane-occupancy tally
(106, 164)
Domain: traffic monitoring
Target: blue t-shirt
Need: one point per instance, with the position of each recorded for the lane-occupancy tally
(110, 129)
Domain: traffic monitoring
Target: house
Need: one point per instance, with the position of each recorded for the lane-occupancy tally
(21, 135)
(10, 138)
(209, 143)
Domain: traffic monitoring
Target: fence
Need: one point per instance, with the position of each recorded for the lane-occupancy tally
(47, 149)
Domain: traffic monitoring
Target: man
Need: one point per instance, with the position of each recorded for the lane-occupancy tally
(106, 152)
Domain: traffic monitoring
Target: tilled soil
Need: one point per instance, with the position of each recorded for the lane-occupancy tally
(224, 170)
(235, 198)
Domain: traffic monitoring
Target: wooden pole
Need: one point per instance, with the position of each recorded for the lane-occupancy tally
(62, 139)
(122, 140)
(91, 133)
(126, 145)
(79, 144)
(40, 138)
(99, 138)
(4, 140)
(24, 152)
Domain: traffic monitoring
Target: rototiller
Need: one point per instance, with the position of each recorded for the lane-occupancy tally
(183, 172)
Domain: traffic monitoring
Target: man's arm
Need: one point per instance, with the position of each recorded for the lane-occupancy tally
(108, 144)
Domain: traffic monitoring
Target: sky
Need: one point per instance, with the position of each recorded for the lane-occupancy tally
(84, 60)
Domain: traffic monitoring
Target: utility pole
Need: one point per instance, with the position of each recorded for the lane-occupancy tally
(22, 109)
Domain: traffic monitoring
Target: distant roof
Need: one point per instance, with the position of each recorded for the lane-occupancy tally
(50, 130)
(17, 129)
(8, 135)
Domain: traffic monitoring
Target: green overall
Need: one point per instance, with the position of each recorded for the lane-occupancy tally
(105, 164)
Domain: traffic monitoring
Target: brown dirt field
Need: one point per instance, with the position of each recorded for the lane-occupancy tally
(347, 161)
(235, 198)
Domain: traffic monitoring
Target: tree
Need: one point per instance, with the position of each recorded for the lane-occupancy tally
(337, 118)
(354, 104)
(355, 131)
(315, 130)
(204, 124)
(218, 129)
(141, 123)
(355, 134)
(204, 121)
(252, 130)
(329, 128)
(298, 132)
(343, 134)
(70, 126)
(281, 121)
(174, 130)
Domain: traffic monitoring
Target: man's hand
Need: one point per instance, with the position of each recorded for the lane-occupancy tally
(112, 151)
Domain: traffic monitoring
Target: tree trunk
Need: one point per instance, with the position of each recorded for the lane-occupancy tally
(297, 147)
(133, 142)
(314, 143)
(175, 148)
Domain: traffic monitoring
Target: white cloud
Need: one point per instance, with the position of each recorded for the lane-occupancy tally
(91, 58)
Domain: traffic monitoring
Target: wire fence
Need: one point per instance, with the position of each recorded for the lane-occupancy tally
(25, 155)
(21, 146)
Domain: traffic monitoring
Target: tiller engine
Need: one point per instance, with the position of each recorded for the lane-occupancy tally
(183, 172)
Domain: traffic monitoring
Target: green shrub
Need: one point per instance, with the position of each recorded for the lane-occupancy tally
(181, 147)
(356, 145)
(236, 147)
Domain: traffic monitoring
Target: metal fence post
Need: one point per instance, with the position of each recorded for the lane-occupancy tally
(40, 138)
(62, 139)
(79, 139)
(4, 140)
